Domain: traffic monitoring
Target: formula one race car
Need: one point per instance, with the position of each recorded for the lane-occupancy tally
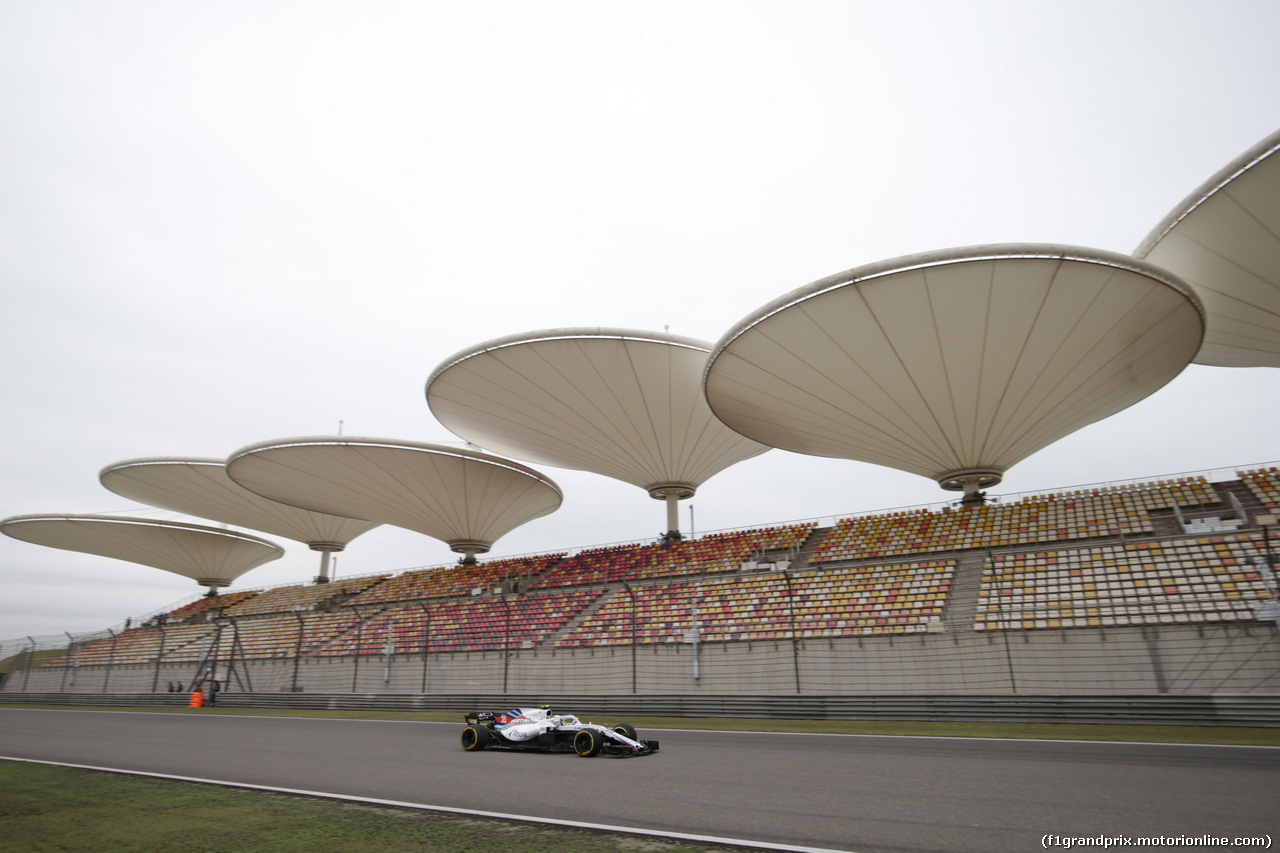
(539, 730)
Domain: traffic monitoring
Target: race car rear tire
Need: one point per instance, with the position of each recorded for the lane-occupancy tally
(627, 730)
(475, 738)
(587, 743)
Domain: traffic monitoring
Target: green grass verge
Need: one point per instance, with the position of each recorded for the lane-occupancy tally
(1042, 731)
(49, 808)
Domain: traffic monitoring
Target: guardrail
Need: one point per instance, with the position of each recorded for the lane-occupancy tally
(1198, 710)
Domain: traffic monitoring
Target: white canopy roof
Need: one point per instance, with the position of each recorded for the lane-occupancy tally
(619, 402)
(462, 497)
(954, 364)
(1224, 240)
(211, 557)
(202, 488)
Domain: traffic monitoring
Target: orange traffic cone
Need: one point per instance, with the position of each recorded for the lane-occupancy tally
(197, 699)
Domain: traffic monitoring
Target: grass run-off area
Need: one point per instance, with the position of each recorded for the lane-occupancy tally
(48, 808)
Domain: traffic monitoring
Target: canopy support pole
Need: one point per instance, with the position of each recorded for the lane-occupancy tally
(325, 549)
(672, 493)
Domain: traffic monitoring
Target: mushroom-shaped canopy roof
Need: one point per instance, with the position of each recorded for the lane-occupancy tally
(202, 488)
(623, 403)
(209, 556)
(462, 497)
(1224, 241)
(954, 364)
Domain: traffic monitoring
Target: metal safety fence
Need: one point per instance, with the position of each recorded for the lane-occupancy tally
(374, 651)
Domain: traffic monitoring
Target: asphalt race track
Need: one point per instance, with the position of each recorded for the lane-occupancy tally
(841, 792)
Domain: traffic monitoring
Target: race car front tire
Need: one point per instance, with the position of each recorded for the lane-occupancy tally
(587, 743)
(626, 730)
(475, 738)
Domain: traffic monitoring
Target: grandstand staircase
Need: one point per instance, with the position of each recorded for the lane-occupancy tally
(966, 582)
(1164, 523)
(1238, 501)
(572, 625)
(815, 538)
(1249, 502)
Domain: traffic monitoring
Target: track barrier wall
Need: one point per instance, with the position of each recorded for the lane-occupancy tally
(1217, 710)
(1207, 674)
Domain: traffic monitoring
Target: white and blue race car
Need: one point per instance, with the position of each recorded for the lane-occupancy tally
(538, 730)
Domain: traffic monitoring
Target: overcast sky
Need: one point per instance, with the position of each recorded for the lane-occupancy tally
(223, 223)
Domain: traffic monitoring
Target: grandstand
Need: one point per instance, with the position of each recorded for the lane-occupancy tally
(1166, 586)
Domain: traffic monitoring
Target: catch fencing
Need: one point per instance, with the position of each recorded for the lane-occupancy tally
(1233, 658)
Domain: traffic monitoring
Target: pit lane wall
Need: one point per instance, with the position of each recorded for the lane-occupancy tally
(1177, 660)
